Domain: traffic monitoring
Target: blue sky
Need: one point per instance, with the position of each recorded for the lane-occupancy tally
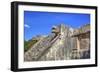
(40, 23)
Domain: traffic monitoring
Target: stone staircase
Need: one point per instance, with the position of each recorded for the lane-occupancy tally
(40, 48)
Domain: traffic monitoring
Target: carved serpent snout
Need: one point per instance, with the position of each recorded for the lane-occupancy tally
(55, 30)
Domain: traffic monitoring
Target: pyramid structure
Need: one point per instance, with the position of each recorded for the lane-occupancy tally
(58, 45)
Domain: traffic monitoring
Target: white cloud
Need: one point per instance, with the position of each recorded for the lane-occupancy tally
(27, 26)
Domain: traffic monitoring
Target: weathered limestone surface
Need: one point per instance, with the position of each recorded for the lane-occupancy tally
(59, 45)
